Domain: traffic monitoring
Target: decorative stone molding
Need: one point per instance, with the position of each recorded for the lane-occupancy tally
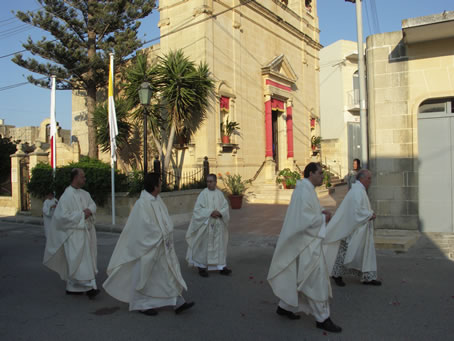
(202, 10)
(164, 22)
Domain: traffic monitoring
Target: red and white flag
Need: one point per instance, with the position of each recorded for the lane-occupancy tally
(53, 126)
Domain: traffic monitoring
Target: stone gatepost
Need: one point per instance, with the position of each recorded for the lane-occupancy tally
(38, 156)
(15, 178)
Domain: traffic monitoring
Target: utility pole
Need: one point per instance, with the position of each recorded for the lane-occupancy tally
(362, 85)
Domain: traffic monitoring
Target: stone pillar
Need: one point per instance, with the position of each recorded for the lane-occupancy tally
(289, 131)
(37, 156)
(270, 164)
(268, 130)
(15, 178)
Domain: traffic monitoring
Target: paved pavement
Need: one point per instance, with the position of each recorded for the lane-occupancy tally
(416, 301)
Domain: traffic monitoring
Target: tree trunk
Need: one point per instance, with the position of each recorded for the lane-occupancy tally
(91, 103)
(91, 93)
(169, 147)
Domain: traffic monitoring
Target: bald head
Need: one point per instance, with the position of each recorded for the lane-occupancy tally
(365, 177)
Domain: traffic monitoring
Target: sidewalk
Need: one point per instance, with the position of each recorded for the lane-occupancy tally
(265, 222)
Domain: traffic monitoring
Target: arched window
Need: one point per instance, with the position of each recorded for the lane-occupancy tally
(437, 105)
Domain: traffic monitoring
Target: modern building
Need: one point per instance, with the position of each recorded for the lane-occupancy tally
(339, 106)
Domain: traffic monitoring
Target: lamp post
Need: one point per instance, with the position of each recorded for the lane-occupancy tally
(145, 93)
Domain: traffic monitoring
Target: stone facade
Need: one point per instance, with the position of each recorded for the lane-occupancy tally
(401, 74)
(264, 57)
(31, 134)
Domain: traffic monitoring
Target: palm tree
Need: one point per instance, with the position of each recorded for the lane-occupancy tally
(181, 92)
(102, 124)
(184, 92)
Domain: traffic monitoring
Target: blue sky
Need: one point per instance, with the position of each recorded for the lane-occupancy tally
(29, 105)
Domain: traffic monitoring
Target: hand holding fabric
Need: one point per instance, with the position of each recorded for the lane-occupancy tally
(328, 215)
(87, 213)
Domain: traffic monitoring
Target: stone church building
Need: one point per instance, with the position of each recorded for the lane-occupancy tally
(264, 58)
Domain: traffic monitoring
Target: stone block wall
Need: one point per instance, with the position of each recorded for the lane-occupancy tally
(392, 130)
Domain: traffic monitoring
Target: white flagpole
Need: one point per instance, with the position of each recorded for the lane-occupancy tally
(113, 132)
(53, 128)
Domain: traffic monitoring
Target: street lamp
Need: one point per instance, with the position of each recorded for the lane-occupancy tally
(145, 93)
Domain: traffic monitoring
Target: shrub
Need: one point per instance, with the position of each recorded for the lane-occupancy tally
(98, 176)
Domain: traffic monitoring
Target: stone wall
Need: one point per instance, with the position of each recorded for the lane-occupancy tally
(180, 205)
(7, 206)
(331, 156)
(394, 191)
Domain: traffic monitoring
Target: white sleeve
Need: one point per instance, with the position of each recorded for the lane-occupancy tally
(322, 232)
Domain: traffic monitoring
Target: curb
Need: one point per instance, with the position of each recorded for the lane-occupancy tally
(39, 221)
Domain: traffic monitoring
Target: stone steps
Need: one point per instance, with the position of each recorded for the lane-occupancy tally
(395, 240)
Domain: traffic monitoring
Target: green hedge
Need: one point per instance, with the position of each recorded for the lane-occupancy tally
(97, 173)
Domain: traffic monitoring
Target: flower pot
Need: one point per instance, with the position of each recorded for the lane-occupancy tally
(225, 139)
(284, 185)
(236, 201)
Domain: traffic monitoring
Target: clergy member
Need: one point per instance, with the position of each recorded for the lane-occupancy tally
(208, 234)
(49, 206)
(299, 273)
(144, 270)
(71, 243)
(353, 222)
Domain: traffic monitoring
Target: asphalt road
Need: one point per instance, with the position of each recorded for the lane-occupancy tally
(416, 301)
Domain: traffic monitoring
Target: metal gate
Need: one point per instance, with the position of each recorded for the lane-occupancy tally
(24, 178)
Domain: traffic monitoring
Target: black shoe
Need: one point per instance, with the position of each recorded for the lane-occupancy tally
(329, 326)
(149, 312)
(373, 282)
(93, 293)
(339, 282)
(74, 292)
(183, 307)
(287, 314)
(203, 272)
(226, 271)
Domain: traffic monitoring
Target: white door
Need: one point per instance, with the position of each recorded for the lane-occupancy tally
(436, 169)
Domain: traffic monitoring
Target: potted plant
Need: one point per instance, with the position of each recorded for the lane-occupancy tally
(236, 187)
(227, 129)
(315, 142)
(288, 178)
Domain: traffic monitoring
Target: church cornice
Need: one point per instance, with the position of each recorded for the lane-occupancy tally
(265, 12)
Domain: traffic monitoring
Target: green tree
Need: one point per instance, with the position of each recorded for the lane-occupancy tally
(85, 32)
(7, 147)
(181, 94)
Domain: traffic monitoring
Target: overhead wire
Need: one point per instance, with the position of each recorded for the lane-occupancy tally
(7, 87)
(368, 19)
(375, 16)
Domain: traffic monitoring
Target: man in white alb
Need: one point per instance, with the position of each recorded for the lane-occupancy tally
(71, 244)
(144, 270)
(49, 206)
(299, 273)
(208, 234)
(353, 223)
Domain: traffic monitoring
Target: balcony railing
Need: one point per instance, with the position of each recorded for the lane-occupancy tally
(353, 101)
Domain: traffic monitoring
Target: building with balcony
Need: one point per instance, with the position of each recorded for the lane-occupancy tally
(339, 106)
